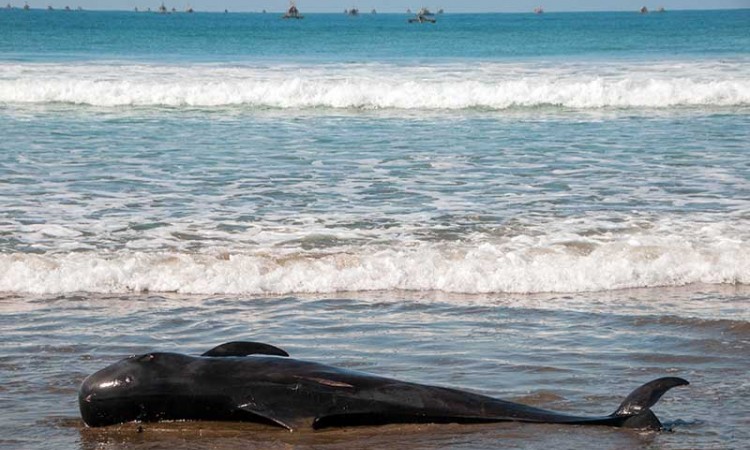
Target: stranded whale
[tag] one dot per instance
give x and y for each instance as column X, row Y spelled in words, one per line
column 248, row 381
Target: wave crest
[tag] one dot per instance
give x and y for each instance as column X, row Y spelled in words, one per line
column 365, row 88
column 485, row 268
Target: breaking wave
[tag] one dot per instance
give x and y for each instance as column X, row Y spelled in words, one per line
column 457, row 268
column 366, row 87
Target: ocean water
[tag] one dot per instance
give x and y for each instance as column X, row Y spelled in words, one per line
column 551, row 209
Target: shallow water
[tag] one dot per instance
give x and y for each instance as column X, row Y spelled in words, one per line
column 582, row 354
column 206, row 202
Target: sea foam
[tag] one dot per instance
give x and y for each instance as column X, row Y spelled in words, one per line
column 492, row 87
column 457, row 268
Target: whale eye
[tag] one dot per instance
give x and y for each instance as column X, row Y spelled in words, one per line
column 128, row 379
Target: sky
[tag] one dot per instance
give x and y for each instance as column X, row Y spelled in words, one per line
column 391, row 5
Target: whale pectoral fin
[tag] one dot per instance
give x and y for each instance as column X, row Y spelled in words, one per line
column 244, row 349
column 288, row 421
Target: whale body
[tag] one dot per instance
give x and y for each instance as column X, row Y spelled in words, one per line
column 255, row 382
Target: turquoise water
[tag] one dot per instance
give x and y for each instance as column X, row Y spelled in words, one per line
column 337, row 38
column 551, row 209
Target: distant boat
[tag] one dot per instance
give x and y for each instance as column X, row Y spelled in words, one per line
column 538, row 10
column 26, row 7
column 423, row 16
column 660, row 9
column 292, row 12
column 162, row 9
column 373, row 11
column 50, row 8
column 440, row 11
column 189, row 9
column 8, row 6
column 352, row 12
column 644, row 10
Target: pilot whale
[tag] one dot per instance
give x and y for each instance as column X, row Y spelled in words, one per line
column 250, row 381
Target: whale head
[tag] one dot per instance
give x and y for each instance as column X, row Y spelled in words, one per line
column 138, row 388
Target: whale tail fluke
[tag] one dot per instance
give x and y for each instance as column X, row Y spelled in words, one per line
column 635, row 409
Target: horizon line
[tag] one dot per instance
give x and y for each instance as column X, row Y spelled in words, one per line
column 365, row 13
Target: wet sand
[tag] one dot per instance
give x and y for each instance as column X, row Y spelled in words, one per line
column 580, row 353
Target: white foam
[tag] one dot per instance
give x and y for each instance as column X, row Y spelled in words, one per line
column 523, row 264
column 489, row 86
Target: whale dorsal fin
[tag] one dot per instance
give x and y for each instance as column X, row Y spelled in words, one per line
column 244, row 349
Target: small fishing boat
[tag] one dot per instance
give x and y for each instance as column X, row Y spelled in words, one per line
column 423, row 16
column 351, row 12
column 644, row 10
column 538, row 10
column 292, row 12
